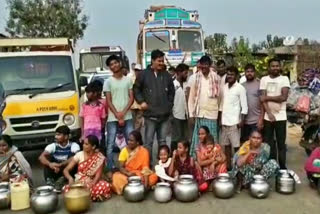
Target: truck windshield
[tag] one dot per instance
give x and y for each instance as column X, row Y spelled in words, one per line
column 34, row 74
column 157, row 40
column 190, row 40
column 91, row 61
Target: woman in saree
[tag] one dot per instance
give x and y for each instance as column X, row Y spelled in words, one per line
column 210, row 156
column 134, row 161
column 251, row 159
column 90, row 167
column 13, row 165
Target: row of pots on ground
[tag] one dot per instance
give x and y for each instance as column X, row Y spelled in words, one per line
column 77, row 200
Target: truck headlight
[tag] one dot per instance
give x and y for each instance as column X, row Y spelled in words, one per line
column 68, row 119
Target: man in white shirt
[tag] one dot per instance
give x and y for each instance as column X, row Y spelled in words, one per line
column 233, row 109
column 203, row 103
column 189, row 83
column 274, row 89
column 179, row 110
column 191, row 79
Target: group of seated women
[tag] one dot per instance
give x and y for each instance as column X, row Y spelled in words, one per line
column 251, row 159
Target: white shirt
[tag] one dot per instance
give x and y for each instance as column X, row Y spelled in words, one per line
column 191, row 80
column 222, row 83
column 273, row 87
column 223, row 80
column 233, row 104
column 208, row 107
column 243, row 79
column 179, row 109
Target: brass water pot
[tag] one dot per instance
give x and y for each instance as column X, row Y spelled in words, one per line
column 77, row 199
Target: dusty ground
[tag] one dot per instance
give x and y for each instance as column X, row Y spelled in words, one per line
column 304, row 201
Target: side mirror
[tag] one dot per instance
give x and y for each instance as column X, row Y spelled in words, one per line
column 83, row 81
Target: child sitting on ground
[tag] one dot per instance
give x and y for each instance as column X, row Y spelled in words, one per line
column 183, row 164
column 162, row 169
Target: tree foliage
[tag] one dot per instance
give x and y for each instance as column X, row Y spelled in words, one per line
column 242, row 52
column 216, row 44
column 269, row 43
column 46, row 18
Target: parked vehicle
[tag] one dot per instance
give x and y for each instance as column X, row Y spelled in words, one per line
column 92, row 63
column 41, row 88
column 102, row 77
column 173, row 30
column 93, row 60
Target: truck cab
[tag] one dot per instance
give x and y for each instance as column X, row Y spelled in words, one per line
column 41, row 89
column 93, row 64
column 175, row 31
column 93, row 60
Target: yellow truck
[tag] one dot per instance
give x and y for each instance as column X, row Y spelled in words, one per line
column 41, row 88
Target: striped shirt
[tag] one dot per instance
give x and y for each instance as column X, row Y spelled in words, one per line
column 59, row 153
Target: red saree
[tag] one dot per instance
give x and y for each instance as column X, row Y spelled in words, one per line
column 207, row 171
column 87, row 170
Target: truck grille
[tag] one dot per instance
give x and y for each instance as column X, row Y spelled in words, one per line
column 24, row 124
column 14, row 121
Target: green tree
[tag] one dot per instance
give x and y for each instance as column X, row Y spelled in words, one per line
column 273, row 42
column 306, row 41
column 242, row 52
column 46, row 19
column 216, row 44
column 269, row 43
column 314, row 42
column 256, row 47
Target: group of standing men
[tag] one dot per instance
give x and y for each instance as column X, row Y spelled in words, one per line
column 211, row 96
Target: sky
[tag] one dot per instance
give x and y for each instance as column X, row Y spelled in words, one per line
column 116, row 22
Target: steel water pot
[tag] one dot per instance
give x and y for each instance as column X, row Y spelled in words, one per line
column 163, row 192
column 285, row 183
column 4, row 195
column 44, row 200
column 134, row 191
column 223, row 186
column 259, row 187
column 186, row 189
